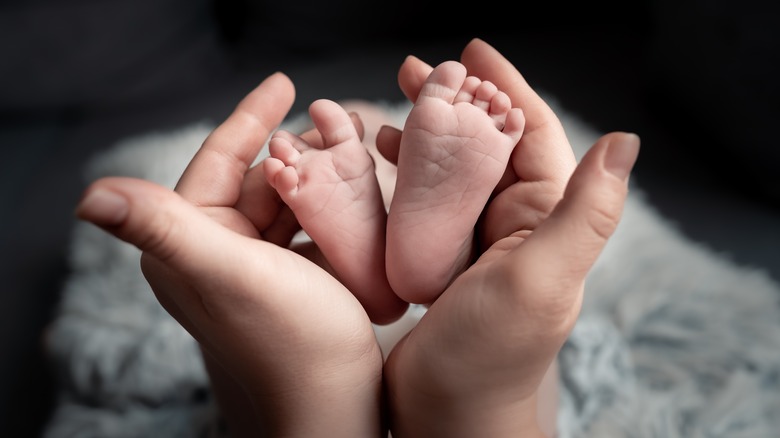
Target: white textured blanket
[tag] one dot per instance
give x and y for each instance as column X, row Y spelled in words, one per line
column 673, row 340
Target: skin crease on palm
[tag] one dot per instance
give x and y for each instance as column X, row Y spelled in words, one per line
column 297, row 353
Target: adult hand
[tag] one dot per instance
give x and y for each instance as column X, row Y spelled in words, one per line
column 474, row 362
column 280, row 335
column 541, row 163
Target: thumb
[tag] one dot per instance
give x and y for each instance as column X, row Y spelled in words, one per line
column 565, row 246
column 195, row 248
column 187, row 240
column 194, row 260
column 161, row 224
column 155, row 219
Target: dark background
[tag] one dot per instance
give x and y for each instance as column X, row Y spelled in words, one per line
column 697, row 80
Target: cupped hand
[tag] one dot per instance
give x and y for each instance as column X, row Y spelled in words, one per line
column 215, row 252
column 478, row 355
column 541, row 163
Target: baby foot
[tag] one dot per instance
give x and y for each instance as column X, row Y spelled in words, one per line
column 335, row 196
column 455, row 147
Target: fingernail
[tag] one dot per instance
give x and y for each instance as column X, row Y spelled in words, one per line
column 103, row 207
column 621, row 154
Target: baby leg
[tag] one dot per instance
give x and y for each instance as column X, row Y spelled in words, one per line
column 455, row 147
column 334, row 194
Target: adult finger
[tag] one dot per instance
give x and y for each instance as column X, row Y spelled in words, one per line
column 156, row 220
column 484, row 61
column 564, row 247
column 411, row 76
column 388, row 143
column 544, row 153
column 215, row 174
column 182, row 237
column 259, row 202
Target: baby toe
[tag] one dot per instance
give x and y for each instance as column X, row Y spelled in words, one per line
column 283, row 150
column 484, row 95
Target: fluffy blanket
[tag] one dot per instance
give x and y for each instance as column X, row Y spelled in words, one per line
column 674, row 340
